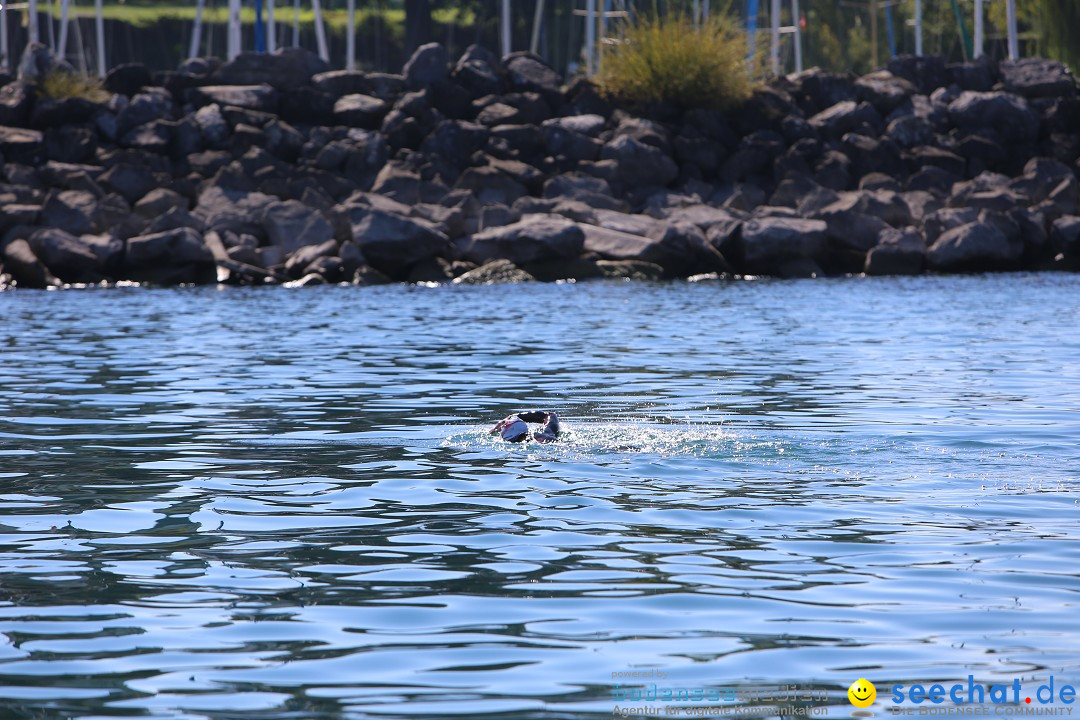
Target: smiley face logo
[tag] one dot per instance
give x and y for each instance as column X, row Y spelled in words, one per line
column 862, row 693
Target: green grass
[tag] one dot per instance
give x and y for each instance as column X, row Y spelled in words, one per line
column 59, row 84
column 141, row 15
column 669, row 60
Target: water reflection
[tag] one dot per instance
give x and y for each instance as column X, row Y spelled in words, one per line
column 265, row 503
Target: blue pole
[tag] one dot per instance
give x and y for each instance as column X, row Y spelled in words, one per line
column 751, row 26
column 260, row 29
column 892, row 33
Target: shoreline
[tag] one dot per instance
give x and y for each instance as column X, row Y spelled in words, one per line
column 274, row 169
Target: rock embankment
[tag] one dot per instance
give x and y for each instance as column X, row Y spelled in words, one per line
column 274, row 168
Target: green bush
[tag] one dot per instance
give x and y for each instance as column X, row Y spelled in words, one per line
column 59, row 84
column 669, row 60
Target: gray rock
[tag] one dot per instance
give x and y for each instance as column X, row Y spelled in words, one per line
column 19, row 145
column 299, row 261
column 1065, row 235
column 939, row 222
column 292, row 225
column 497, row 216
column 527, row 72
column 532, row 239
column 1006, row 115
column 361, row 111
column 637, row 270
column 25, row 267
column 222, row 209
column 974, row 247
column 588, row 125
column 212, row 125
column 107, row 248
column 253, row 97
column 428, row 65
column 850, row 229
column 883, row 90
column 392, row 243
column 898, row 252
column 342, row 82
column 16, row 99
column 129, row 181
column 496, row 272
column 153, row 137
column 160, row 201
column 1041, row 177
column 576, row 147
column 145, row 107
column 491, row 186
column 640, row 164
column 80, row 212
column 844, row 117
column 1037, row 78
column 173, row 257
column 766, row 243
column 288, row 68
column 66, row 256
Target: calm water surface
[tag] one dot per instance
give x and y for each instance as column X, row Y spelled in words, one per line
column 273, row 503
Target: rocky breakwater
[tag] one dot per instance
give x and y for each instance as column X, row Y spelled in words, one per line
column 274, row 168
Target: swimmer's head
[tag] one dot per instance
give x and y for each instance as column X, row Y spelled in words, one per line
column 514, row 430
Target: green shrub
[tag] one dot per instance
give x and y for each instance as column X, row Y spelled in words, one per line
column 669, row 60
column 59, row 84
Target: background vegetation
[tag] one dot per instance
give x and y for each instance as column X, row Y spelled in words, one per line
column 836, row 35
column 678, row 62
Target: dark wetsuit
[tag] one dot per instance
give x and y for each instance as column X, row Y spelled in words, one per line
column 513, row 428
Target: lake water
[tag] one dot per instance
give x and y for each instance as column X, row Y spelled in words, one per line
column 274, row 503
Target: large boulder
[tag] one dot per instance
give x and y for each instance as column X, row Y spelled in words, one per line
column 79, row 212
column 681, row 250
column 428, row 65
column 975, row 247
column 766, row 245
column 640, row 164
column 292, row 225
column 1037, row 78
column 160, row 201
column 363, row 111
column 170, row 257
column 223, row 209
column 898, row 252
column 527, row 72
column 66, row 256
column 1002, row 114
column 286, row 69
column 883, row 90
column 129, row 181
column 479, row 71
column 534, row 238
column 392, row 243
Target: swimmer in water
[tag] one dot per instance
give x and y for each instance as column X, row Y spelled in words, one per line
column 514, row 428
